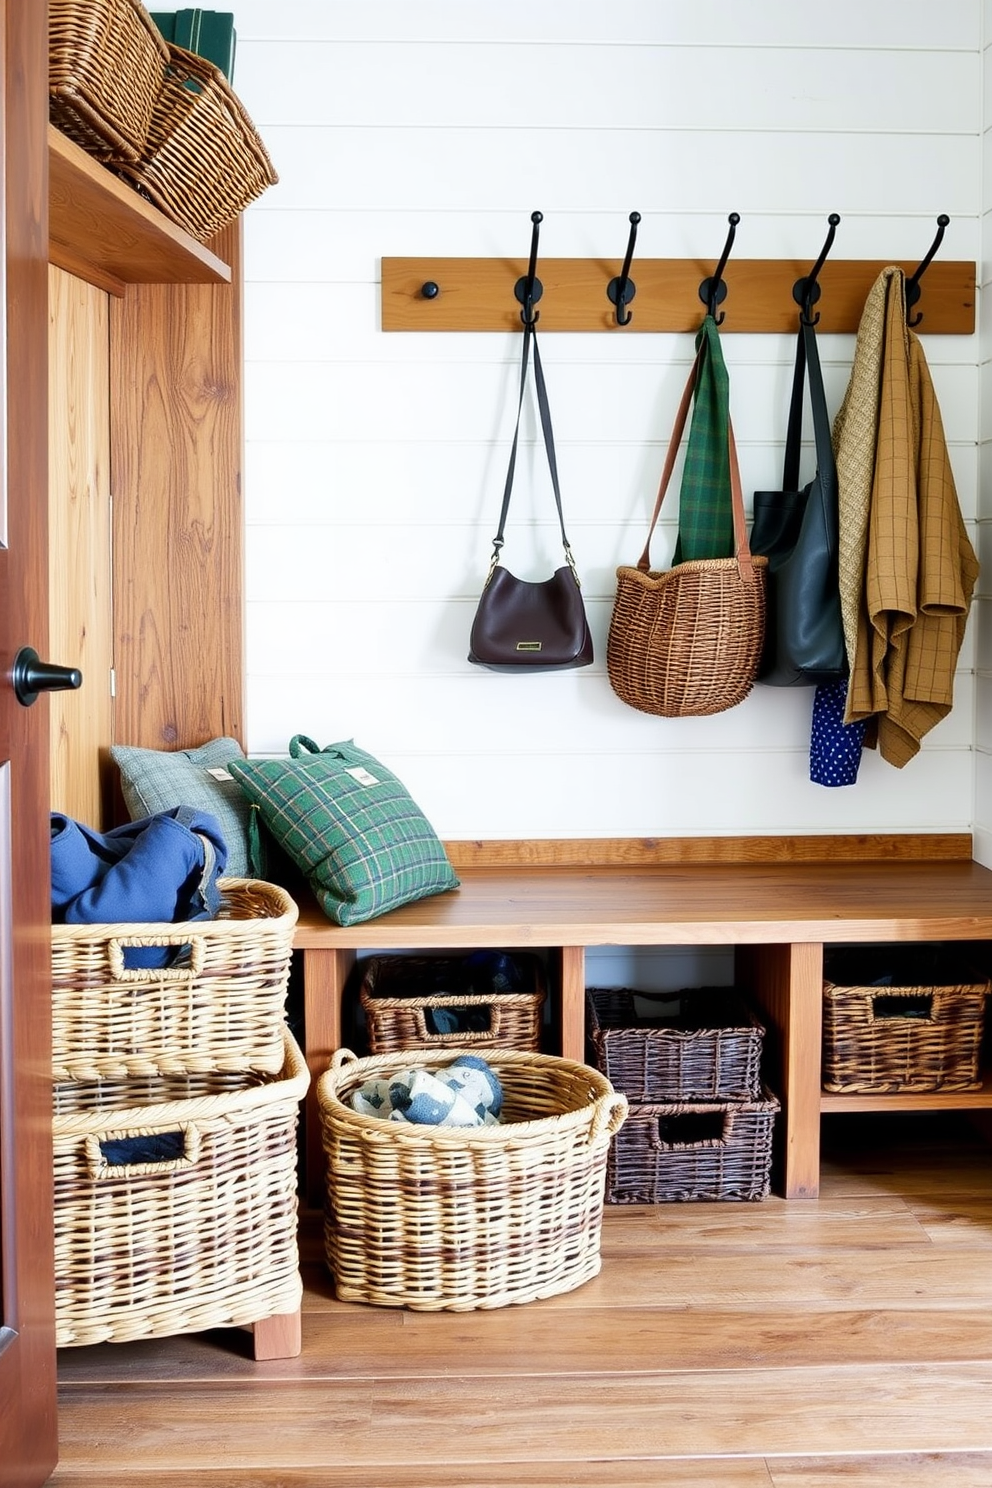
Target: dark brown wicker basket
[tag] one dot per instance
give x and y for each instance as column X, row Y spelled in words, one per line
column 105, row 63
column 889, row 1039
column 204, row 161
column 707, row 1047
column 692, row 1150
column 402, row 995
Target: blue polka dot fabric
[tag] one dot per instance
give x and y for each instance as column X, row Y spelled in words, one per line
column 834, row 746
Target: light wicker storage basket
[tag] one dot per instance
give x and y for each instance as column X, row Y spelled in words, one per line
column 203, row 161
column 440, row 1218
column 401, row 997
column 694, row 1150
column 150, row 1243
column 702, row 1043
column 889, row 1038
column 221, row 1007
column 105, row 63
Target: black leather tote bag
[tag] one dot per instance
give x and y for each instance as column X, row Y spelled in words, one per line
column 797, row 530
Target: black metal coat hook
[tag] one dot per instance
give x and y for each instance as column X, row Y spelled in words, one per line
column 622, row 290
column 530, row 289
column 806, row 291
column 713, row 291
column 913, row 283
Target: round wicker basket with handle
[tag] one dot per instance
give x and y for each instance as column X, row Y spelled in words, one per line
column 447, row 1218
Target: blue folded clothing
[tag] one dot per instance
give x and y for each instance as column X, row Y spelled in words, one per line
column 161, row 869
column 464, row 1093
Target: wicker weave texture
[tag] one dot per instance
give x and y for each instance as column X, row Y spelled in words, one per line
column 683, row 1150
column 205, row 1240
column 221, row 1008
column 871, row 1044
column 709, row 1049
column 436, row 1218
column 686, row 642
column 204, row 161
column 398, row 1021
column 105, row 61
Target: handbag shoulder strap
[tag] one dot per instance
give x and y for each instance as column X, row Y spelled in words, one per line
column 530, row 334
column 808, row 360
column 741, row 545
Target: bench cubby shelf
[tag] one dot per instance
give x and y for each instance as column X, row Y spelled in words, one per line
column 776, row 901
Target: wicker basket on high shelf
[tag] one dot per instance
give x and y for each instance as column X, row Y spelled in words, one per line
column 441, row 1218
column 176, row 1202
column 203, row 160
column 105, row 63
column 220, row 1006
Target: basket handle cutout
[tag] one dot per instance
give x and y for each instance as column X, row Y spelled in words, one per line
column 193, row 953
column 134, row 1153
column 918, row 1006
column 477, row 1023
column 691, row 1129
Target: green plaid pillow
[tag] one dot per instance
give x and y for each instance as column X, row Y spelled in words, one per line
column 155, row 780
column 350, row 827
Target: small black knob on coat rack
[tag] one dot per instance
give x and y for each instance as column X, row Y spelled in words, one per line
column 623, row 289
column 806, row 291
column 529, row 289
column 430, row 290
column 713, row 291
column 913, row 282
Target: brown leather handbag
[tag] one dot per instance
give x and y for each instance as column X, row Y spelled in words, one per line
column 521, row 626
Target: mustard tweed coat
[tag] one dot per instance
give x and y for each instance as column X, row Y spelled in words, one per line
column 907, row 568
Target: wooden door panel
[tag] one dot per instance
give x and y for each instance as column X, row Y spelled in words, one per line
column 27, row 1329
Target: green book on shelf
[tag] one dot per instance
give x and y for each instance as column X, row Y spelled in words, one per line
column 207, row 33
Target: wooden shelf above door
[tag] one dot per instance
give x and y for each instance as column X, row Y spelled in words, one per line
column 476, row 294
column 102, row 231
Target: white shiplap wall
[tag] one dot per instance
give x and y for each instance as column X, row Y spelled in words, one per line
column 375, row 462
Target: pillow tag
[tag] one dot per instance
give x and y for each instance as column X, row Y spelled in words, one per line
column 220, row 773
column 363, row 776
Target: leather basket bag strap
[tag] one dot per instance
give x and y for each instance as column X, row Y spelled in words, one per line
column 741, row 544
column 530, row 334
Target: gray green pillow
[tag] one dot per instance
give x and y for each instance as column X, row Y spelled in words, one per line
column 349, row 825
column 155, row 780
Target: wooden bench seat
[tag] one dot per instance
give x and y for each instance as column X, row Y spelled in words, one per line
column 776, row 901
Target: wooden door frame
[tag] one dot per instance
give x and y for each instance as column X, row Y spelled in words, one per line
column 28, row 1437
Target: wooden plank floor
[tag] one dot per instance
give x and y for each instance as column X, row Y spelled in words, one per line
column 842, row 1342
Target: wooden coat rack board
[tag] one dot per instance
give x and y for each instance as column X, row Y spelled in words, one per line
column 476, row 294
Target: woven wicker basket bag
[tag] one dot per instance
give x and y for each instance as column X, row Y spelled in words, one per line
column 688, row 641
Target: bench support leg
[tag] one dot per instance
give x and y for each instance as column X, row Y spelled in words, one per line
column 786, row 982
column 572, row 1013
column 324, row 975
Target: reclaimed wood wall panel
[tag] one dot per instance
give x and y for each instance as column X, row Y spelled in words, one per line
column 176, row 449
column 79, row 540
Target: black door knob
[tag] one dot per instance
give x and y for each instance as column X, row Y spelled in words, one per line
column 31, row 676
